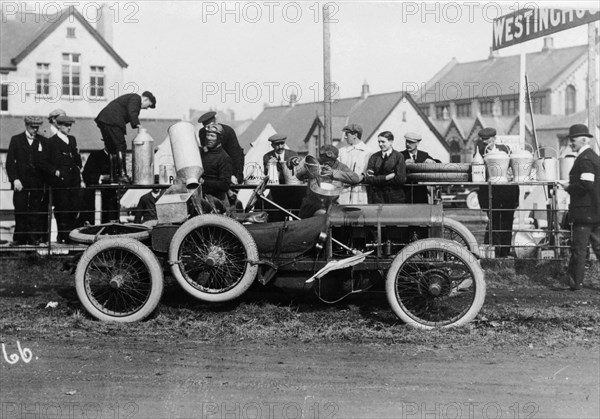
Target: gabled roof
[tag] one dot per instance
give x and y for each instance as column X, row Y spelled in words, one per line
column 463, row 126
column 496, row 76
column 297, row 122
column 84, row 130
column 23, row 34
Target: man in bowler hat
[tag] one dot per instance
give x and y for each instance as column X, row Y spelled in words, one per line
column 584, row 209
column 505, row 199
column 113, row 120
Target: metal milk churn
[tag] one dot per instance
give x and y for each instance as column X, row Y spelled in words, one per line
column 186, row 153
column 496, row 162
column 521, row 163
column 143, row 158
column 272, row 172
column 477, row 167
column 566, row 163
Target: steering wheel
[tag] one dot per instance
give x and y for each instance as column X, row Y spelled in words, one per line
column 260, row 188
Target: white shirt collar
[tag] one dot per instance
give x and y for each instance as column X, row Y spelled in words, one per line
column 583, row 148
column 29, row 136
column 53, row 129
column 386, row 153
column 63, row 137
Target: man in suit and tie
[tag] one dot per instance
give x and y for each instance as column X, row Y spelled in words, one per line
column 386, row 173
column 280, row 155
column 584, row 209
column 415, row 194
column 24, row 162
column 112, row 121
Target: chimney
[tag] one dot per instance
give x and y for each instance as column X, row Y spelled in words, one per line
column 365, row 92
column 548, row 44
column 104, row 25
column 293, row 99
column 493, row 54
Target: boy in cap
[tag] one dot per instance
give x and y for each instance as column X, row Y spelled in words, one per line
column 280, row 155
column 113, row 120
column 505, row 199
column 356, row 156
column 52, row 121
column 584, row 208
column 24, row 162
column 415, row 194
column 229, row 142
column 332, row 171
column 64, row 165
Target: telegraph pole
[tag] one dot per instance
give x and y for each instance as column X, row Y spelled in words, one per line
column 327, row 86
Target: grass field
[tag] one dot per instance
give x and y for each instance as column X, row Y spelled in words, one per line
column 526, row 304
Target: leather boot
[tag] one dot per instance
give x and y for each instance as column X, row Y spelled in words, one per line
column 122, row 169
column 112, row 161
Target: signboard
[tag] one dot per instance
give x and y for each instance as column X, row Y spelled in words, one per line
column 527, row 24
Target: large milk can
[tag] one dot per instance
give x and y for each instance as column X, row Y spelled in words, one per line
column 143, row 158
column 547, row 167
column 186, row 154
column 496, row 163
column 521, row 163
column 566, row 164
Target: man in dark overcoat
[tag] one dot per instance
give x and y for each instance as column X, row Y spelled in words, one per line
column 113, row 120
column 584, row 209
column 64, row 164
column 24, row 162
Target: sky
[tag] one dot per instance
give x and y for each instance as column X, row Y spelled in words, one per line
column 243, row 55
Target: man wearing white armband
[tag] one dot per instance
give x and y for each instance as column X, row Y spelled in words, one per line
column 584, row 209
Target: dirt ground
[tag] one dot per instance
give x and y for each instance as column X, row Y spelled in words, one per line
column 533, row 352
column 125, row 378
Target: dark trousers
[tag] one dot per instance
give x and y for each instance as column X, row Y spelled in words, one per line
column 110, row 206
column 582, row 235
column 502, row 222
column 66, row 204
column 114, row 138
column 28, row 214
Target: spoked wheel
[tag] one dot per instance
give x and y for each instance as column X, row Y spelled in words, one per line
column 435, row 283
column 92, row 233
column 214, row 258
column 456, row 231
column 119, row 280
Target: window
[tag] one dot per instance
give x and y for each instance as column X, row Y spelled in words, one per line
column 570, row 100
column 70, row 32
column 455, row 150
column 509, row 106
column 42, row 79
column 425, row 110
column 486, row 108
column 4, row 97
column 71, row 70
column 439, row 111
column 463, row 109
column 538, row 104
column 96, row 81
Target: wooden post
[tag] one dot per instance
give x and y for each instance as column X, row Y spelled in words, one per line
column 591, row 105
column 327, row 86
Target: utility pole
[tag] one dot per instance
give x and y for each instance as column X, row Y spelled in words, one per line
column 327, row 86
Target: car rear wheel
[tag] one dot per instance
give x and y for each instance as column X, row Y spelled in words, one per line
column 435, row 283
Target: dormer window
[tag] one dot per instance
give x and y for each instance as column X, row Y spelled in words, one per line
column 70, row 32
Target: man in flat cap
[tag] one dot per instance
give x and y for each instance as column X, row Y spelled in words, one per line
column 332, row 171
column 24, row 162
column 355, row 156
column 415, row 194
column 113, row 120
column 584, row 208
column 505, row 199
column 52, row 121
column 279, row 155
column 229, row 142
column 64, row 165
column 217, row 165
